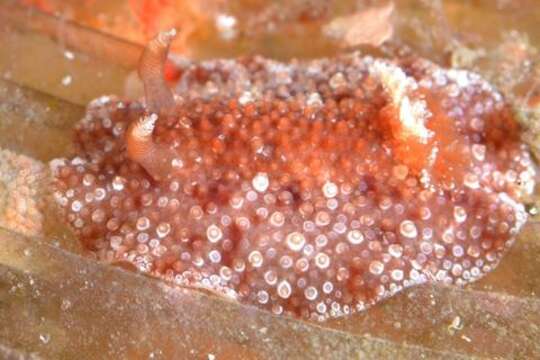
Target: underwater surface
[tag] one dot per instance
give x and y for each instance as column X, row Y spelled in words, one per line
column 57, row 301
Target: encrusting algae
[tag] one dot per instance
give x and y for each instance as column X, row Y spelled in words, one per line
column 23, row 182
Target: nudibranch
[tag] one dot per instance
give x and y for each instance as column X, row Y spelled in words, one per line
column 310, row 188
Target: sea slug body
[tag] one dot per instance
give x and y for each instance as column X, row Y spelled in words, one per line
column 310, row 188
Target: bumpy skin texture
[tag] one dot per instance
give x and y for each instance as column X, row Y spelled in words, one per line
column 311, row 188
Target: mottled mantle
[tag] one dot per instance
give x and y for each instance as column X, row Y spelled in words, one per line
column 311, row 188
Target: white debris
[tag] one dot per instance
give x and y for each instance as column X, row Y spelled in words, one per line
column 226, row 25
column 66, row 80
